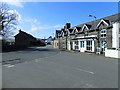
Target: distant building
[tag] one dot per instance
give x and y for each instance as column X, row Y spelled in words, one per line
column 25, row 39
column 49, row 41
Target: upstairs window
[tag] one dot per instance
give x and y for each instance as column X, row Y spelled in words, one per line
column 103, row 33
column 86, row 33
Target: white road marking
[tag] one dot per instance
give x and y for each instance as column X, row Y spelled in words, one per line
column 7, row 65
column 10, row 66
column 85, row 71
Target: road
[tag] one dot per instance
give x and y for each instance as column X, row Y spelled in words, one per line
column 50, row 68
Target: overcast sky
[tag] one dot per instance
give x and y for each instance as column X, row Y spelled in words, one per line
column 41, row 19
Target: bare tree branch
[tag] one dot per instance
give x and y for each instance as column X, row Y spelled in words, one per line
column 8, row 20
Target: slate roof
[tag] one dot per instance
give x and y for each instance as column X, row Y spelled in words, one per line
column 92, row 25
column 78, row 28
column 29, row 35
column 70, row 30
column 58, row 32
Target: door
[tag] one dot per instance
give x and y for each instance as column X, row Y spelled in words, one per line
column 103, row 45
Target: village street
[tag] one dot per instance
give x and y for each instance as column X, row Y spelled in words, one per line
column 49, row 68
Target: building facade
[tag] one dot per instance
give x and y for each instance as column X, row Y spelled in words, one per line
column 56, row 44
column 91, row 36
column 25, row 39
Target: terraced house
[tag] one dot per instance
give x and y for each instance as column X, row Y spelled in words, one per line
column 98, row 35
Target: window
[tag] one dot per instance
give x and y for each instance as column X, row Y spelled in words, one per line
column 81, row 44
column 86, row 33
column 103, row 33
column 76, row 42
column 76, row 45
column 89, row 45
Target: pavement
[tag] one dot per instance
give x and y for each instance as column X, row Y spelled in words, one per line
column 50, row 68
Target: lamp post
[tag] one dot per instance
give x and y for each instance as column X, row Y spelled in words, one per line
column 92, row 16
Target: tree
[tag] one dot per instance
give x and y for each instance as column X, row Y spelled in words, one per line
column 9, row 20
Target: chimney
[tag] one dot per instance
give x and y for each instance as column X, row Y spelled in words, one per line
column 64, row 27
column 67, row 26
column 19, row 30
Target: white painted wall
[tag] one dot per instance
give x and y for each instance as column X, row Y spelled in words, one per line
column 68, row 45
column 115, row 35
column 112, row 53
column 73, row 45
column 93, row 46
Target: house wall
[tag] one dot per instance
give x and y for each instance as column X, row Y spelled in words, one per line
column 24, row 40
column 115, row 35
column 56, row 44
column 109, row 38
column 21, row 40
column 72, row 41
column 60, row 42
column 68, row 43
column 112, row 53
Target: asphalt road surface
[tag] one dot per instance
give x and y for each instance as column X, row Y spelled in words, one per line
column 50, row 68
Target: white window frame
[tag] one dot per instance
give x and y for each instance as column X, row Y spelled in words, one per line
column 103, row 33
column 89, row 45
column 76, row 44
column 82, row 44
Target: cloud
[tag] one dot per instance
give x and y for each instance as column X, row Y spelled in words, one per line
column 35, row 25
column 16, row 13
column 36, row 28
column 17, row 3
column 32, row 21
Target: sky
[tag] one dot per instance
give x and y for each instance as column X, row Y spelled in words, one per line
column 42, row 19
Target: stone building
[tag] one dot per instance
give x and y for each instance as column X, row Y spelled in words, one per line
column 89, row 37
